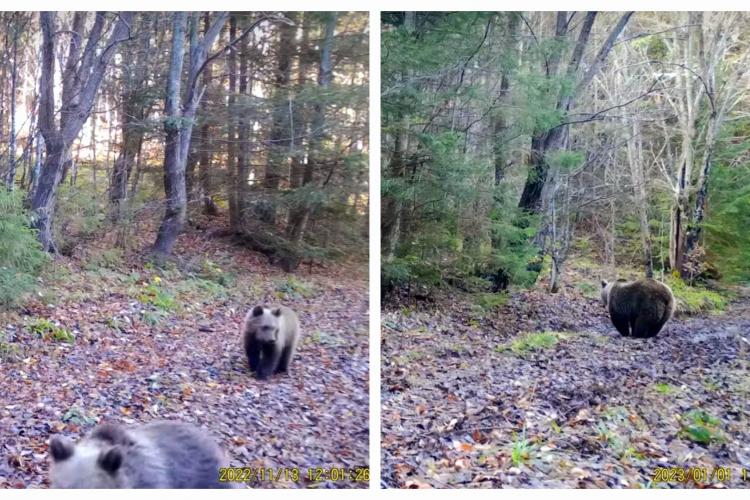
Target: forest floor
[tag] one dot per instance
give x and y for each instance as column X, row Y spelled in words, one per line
column 110, row 337
column 542, row 391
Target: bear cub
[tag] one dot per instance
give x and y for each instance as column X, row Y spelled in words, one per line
column 638, row 308
column 270, row 337
column 156, row 455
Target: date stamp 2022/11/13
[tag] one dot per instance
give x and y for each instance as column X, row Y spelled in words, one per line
column 294, row 474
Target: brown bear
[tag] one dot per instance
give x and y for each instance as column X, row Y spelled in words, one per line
column 638, row 308
column 161, row 454
column 270, row 337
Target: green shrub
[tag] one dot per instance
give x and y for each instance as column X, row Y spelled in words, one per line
column 211, row 271
column 9, row 351
column 529, row 342
column 293, row 288
column 665, row 388
column 110, row 258
column 21, row 255
column 695, row 299
column 521, row 450
column 701, row 427
column 155, row 295
column 490, row 301
column 202, row 287
column 588, row 290
column 80, row 213
column 47, row 330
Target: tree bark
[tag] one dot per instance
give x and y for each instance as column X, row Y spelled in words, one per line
column 11, row 176
column 81, row 79
column 178, row 125
column 133, row 113
column 548, row 141
column 234, row 182
column 174, row 169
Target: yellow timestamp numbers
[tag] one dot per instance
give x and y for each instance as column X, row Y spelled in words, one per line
column 695, row 474
column 293, row 474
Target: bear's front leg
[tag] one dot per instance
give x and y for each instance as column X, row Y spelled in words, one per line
column 252, row 349
column 269, row 361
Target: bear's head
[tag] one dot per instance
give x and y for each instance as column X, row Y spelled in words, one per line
column 91, row 464
column 265, row 323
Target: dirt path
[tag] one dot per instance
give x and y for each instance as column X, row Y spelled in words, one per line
column 461, row 408
column 133, row 362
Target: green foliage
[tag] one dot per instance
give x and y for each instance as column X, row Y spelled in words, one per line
column 79, row 214
column 293, row 288
column 727, row 239
column 665, row 388
column 521, row 450
column 405, row 271
column 109, row 258
column 156, row 295
column 589, row 289
column 21, row 256
column 152, row 318
column 527, row 343
column 695, row 299
column 76, row 415
column 458, row 223
column 490, row 301
column 566, row 160
column 47, row 330
column 701, row 427
column 210, row 271
column 205, row 289
column 9, row 351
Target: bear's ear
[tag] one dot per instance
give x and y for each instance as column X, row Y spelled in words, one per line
column 257, row 311
column 61, row 448
column 277, row 312
column 604, row 284
column 110, row 460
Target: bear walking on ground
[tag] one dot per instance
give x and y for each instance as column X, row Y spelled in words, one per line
column 270, row 337
column 638, row 308
column 155, row 455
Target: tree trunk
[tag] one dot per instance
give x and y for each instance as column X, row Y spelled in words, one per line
column 204, row 161
column 178, row 124
column 82, row 77
column 133, row 113
column 638, row 177
column 243, row 138
column 174, row 169
column 545, row 142
column 10, row 179
column 234, row 180
column 45, row 194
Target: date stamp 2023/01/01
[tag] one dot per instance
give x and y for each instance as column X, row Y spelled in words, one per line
column 699, row 475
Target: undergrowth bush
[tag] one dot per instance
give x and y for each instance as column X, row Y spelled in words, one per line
column 21, row 255
column 695, row 299
column 80, row 213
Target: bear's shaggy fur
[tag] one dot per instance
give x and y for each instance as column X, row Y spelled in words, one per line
column 156, row 455
column 638, row 308
column 270, row 337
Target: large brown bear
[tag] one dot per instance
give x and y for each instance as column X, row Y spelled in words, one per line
column 270, row 337
column 638, row 308
column 155, row 455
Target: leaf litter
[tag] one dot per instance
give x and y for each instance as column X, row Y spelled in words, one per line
column 468, row 401
column 155, row 343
